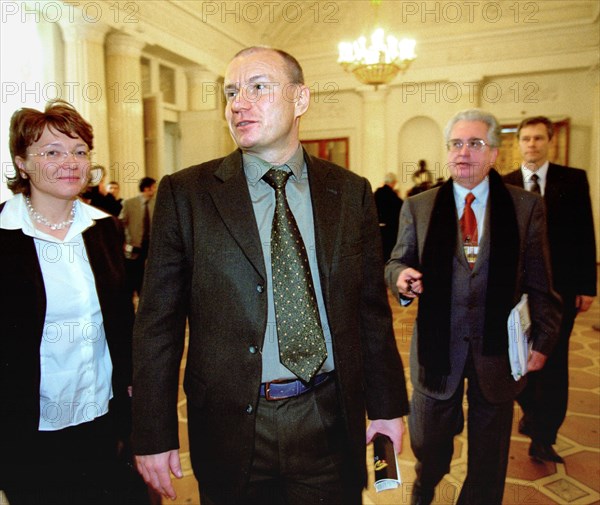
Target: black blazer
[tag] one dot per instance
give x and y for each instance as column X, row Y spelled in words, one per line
column 22, row 314
column 570, row 229
column 208, row 268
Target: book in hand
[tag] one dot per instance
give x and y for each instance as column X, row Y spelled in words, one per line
column 387, row 473
column 519, row 341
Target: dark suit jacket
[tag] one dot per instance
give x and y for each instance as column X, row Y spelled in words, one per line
column 570, row 229
column 22, row 314
column 388, row 209
column 208, row 267
column 469, row 293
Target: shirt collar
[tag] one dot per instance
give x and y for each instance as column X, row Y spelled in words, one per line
column 15, row 216
column 541, row 172
column 481, row 192
column 255, row 168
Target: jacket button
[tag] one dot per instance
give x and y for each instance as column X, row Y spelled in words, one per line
column 253, row 349
column 249, row 409
column 260, row 288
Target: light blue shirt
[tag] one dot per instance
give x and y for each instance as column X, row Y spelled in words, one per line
column 481, row 193
column 297, row 192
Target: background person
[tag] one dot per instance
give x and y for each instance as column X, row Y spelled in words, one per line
column 114, row 188
column 136, row 217
column 259, row 434
column 388, row 209
column 96, row 193
column 65, row 319
column 468, row 274
column 572, row 242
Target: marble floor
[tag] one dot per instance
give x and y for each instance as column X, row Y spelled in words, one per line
column 576, row 482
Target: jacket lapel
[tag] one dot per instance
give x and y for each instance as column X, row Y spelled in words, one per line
column 326, row 193
column 553, row 184
column 484, row 243
column 232, row 200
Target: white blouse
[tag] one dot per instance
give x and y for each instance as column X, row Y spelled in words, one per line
column 76, row 367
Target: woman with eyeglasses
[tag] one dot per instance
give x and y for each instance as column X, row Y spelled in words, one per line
column 65, row 319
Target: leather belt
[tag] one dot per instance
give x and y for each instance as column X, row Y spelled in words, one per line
column 280, row 390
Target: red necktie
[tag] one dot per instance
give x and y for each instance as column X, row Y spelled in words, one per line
column 468, row 228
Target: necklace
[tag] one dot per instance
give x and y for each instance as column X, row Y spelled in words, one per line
column 38, row 218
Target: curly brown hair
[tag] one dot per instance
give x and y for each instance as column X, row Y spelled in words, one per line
column 27, row 126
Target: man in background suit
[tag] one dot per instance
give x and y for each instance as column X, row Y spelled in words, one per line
column 388, row 209
column 461, row 327
column 573, row 257
column 136, row 217
column 258, row 433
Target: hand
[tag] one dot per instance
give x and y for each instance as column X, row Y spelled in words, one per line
column 393, row 428
column 583, row 302
column 154, row 468
column 409, row 283
column 536, row 361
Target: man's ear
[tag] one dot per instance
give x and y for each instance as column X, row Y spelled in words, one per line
column 302, row 100
column 493, row 155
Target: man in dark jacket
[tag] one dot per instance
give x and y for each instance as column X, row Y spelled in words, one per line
column 573, row 256
column 388, row 209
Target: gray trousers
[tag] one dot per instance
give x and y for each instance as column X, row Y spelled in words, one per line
column 433, row 424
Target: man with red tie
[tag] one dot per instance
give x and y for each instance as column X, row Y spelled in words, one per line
column 469, row 249
column 572, row 243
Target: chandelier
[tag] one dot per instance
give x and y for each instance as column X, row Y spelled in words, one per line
column 381, row 61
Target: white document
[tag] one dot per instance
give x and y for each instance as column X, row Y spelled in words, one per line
column 519, row 333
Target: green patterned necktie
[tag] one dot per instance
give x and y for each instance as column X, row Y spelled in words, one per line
column 301, row 343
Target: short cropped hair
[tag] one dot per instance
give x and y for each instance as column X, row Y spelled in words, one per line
column 493, row 135
column 146, row 182
column 293, row 68
column 27, row 126
column 537, row 120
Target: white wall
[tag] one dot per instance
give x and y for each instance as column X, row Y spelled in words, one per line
column 416, row 113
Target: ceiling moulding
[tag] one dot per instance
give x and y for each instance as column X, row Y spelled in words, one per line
column 243, row 23
column 565, row 47
column 434, row 20
column 580, row 34
column 162, row 23
column 322, row 80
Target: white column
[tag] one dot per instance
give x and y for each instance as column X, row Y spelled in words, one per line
column 125, row 111
column 204, row 90
column 204, row 118
column 374, row 152
column 85, row 79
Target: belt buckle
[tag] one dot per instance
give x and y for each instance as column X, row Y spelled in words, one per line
column 268, row 390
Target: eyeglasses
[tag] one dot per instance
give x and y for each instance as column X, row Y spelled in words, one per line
column 476, row 145
column 59, row 156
